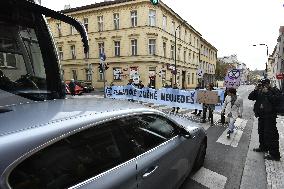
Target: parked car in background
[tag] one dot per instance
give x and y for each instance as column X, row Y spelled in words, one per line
column 87, row 87
column 106, row 144
column 78, row 90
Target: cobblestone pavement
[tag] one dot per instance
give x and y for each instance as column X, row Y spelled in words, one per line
column 275, row 169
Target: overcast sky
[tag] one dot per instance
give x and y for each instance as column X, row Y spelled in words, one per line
column 232, row 26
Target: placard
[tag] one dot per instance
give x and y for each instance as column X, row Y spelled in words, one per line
column 207, row 97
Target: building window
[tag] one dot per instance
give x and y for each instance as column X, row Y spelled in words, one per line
column 60, row 53
column 87, row 55
column 116, row 21
column 189, row 55
column 192, row 77
column 193, row 58
column 188, row 78
column 73, row 52
column 172, row 52
column 164, row 23
column 117, row 72
column 133, row 18
column 164, row 49
column 184, row 56
column 72, row 30
column 134, row 47
column 101, row 76
column 152, row 46
column 74, row 74
column 86, row 23
column 101, row 48
column 152, row 18
column 190, row 40
column 117, row 48
column 178, row 54
column 197, row 43
column 100, row 23
column 173, row 27
column 185, row 35
column 58, row 25
column 88, row 75
column 178, row 32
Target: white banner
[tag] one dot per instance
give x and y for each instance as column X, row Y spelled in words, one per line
column 165, row 96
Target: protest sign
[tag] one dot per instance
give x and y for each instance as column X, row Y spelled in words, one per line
column 233, row 79
column 207, row 97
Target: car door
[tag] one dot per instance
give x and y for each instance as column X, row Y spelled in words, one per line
column 98, row 157
column 161, row 162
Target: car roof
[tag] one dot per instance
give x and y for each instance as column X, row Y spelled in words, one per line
column 36, row 114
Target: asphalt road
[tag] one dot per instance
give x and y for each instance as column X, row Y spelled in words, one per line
column 225, row 162
column 225, row 159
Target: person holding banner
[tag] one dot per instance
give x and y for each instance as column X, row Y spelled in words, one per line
column 195, row 111
column 210, row 107
column 175, row 108
column 232, row 108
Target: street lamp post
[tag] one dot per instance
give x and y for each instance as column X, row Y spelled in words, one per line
column 262, row 44
column 175, row 72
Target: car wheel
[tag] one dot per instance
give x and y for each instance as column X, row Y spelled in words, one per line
column 200, row 157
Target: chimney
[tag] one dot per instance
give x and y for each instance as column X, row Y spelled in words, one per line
column 67, row 7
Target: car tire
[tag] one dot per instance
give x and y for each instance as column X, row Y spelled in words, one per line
column 200, row 157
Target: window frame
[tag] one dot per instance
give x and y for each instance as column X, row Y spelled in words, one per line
column 152, row 17
column 152, row 47
column 133, row 18
column 86, row 23
column 134, row 47
column 116, row 21
column 73, row 52
column 117, row 48
column 100, row 23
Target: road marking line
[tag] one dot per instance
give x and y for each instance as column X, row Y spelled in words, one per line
column 233, row 141
column 209, row 179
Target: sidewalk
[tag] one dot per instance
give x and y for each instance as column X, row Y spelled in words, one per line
column 260, row 173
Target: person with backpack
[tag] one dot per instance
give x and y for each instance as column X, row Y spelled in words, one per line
column 232, row 108
column 266, row 100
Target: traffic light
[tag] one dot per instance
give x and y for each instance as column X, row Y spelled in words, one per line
column 101, row 69
column 155, row 2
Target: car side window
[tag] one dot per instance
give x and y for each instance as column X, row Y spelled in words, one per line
column 148, row 131
column 74, row 159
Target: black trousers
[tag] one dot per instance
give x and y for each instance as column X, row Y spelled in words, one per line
column 198, row 111
column 268, row 135
column 210, row 114
column 174, row 109
column 223, row 118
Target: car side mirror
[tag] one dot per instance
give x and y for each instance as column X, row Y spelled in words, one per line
column 183, row 132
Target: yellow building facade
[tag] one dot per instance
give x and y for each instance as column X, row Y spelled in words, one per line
column 138, row 40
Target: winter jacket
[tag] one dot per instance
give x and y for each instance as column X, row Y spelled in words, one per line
column 264, row 102
column 235, row 109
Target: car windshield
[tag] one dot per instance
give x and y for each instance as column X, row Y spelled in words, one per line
column 22, row 71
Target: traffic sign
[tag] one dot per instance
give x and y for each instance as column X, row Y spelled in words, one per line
column 103, row 56
column 280, row 76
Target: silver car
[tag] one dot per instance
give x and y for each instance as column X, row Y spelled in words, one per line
column 96, row 143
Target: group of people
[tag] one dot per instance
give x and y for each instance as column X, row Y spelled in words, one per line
column 232, row 108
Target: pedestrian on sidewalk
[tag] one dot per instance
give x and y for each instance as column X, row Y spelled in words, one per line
column 265, row 98
column 199, row 111
column 72, row 87
column 175, row 108
column 232, row 108
column 210, row 107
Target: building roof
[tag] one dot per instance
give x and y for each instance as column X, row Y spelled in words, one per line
column 96, row 5
column 209, row 44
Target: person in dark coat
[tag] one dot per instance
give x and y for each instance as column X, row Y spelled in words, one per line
column 265, row 98
column 195, row 111
column 72, row 87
